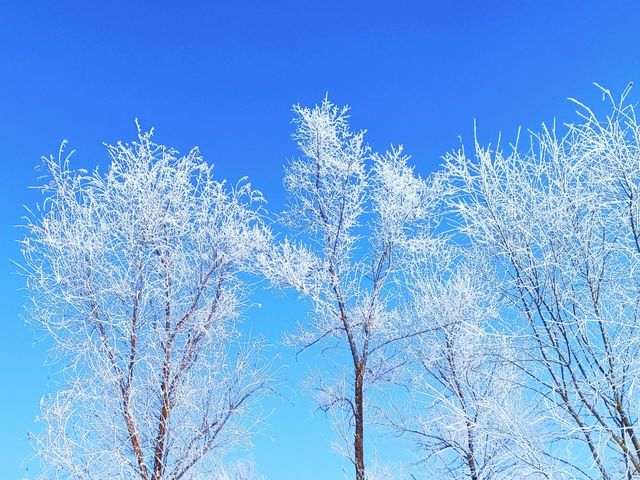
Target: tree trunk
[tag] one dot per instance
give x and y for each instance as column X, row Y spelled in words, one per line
column 359, row 414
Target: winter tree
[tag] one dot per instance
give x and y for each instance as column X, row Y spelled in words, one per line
column 355, row 215
column 467, row 410
column 137, row 276
column 561, row 224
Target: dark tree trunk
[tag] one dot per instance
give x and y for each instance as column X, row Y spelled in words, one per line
column 359, row 414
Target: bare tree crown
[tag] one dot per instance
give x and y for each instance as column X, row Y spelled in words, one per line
column 135, row 275
column 358, row 215
column 560, row 223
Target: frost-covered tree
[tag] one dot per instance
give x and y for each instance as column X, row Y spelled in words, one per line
column 136, row 276
column 355, row 215
column 561, row 223
column 468, row 411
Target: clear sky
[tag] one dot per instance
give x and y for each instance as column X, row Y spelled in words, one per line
column 223, row 76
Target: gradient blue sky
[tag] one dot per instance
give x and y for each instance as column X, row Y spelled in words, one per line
column 223, row 76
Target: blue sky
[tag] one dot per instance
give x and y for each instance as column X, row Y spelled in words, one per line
column 223, row 76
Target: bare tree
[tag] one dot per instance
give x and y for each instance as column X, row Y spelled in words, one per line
column 135, row 276
column 467, row 410
column 561, row 222
column 358, row 213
